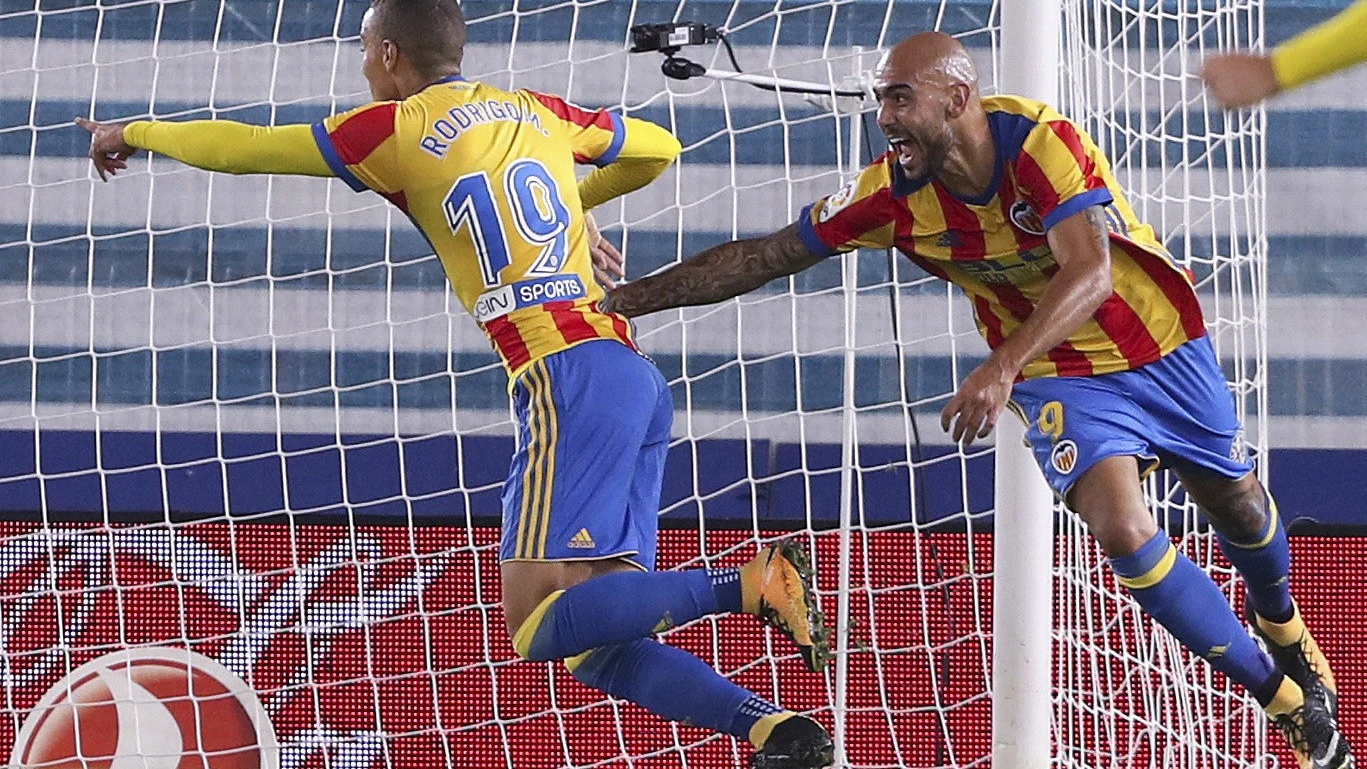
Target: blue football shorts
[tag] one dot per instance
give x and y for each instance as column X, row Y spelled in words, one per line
column 593, row 430
column 1177, row 412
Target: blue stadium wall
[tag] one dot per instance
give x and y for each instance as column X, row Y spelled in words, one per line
column 1317, row 192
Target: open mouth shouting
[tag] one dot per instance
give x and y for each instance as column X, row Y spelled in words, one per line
column 909, row 153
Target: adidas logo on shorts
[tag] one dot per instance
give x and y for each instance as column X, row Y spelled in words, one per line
column 582, row 540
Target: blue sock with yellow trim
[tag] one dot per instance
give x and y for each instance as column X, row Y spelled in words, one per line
column 1265, row 563
column 622, row 606
column 1176, row 593
column 653, row 675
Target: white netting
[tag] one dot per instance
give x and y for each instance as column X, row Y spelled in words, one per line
column 1128, row 693
column 282, row 441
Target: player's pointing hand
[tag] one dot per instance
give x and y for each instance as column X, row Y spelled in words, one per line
column 108, row 151
column 978, row 403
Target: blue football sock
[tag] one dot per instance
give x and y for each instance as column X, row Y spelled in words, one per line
column 1176, row 593
column 1265, row 563
column 623, row 606
column 672, row 684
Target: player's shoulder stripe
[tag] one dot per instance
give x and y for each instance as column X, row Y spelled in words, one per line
column 619, row 138
column 1012, row 119
column 360, row 133
column 573, row 113
column 334, row 161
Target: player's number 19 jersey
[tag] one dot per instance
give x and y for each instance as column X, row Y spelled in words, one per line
column 488, row 176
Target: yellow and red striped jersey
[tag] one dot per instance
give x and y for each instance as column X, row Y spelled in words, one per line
column 488, row 176
column 994, row 246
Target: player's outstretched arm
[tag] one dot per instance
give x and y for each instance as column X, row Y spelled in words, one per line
column 1244, row 79
column 213, row 145
column 720, row 272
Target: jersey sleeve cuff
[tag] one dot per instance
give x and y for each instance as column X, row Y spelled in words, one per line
column 619, row 137
column 807, row 232
column 334, row 161
column 134, row 134
column 1097, row 197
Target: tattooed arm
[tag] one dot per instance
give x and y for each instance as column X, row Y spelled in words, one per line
column 720, row 272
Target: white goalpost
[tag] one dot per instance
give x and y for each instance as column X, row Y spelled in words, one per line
column 251, row 448
column 1023, row 531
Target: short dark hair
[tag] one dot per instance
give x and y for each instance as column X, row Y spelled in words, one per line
column 431, row 33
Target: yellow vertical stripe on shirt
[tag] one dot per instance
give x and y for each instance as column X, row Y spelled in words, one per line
column 1056, row 159
column 547, row 491
column 1102, row 351
column 997, row 238
column 929, row 219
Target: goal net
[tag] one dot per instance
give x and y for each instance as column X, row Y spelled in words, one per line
column 1135, row 697
column 251, row 447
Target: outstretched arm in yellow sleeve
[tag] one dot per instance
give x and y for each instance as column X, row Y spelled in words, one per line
column 213, row 145
column 1244, row 79
column 646, row 152
column 1334, row 45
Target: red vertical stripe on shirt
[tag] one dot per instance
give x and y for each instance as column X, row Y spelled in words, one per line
column 986, row 316
column 358, row 136
column 964, row 226
column 1175, row 287
column 570, row 322
column 1070, row 361
column 509, row 342
column 1038, row 188
column 1124, row 326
